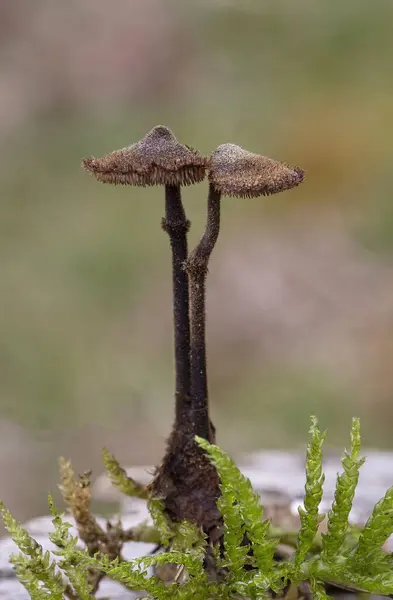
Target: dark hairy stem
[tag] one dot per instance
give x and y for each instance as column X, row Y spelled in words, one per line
column 176, row 226
column 197, row 269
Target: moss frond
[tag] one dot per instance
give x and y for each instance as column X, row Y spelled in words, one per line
column 34, row 567
column 318, row 590
column 243, row 514
column 73, row 559
column 134, row 575
column 76, row 493
column 346, row 485
column 377, row 530
column 142, row 533
column 309, row 515
column 161, row 522
column 120, row 479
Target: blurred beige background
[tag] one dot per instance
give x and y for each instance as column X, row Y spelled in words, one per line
column 300, row 300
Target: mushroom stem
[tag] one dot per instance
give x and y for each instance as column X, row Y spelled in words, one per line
column 197, row 269
column 176, row 225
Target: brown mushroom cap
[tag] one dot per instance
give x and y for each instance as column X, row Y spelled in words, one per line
column 158, row 159
column 234, row 171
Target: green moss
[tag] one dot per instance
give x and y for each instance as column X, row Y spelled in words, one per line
column 245, row 561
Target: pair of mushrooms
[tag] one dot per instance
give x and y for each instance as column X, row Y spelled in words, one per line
column 159, row 159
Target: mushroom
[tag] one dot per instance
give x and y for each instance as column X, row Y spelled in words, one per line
column 233, row 171
column 237, row 172
column 186, row 481
column 159, row 159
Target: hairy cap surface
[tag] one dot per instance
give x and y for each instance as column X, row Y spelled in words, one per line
column 234, row 171
column 158, row 159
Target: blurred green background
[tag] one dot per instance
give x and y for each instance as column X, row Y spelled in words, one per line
column 300, row 300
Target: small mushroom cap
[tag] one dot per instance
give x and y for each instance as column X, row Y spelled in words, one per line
column 234, row 171
column 158, row 159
